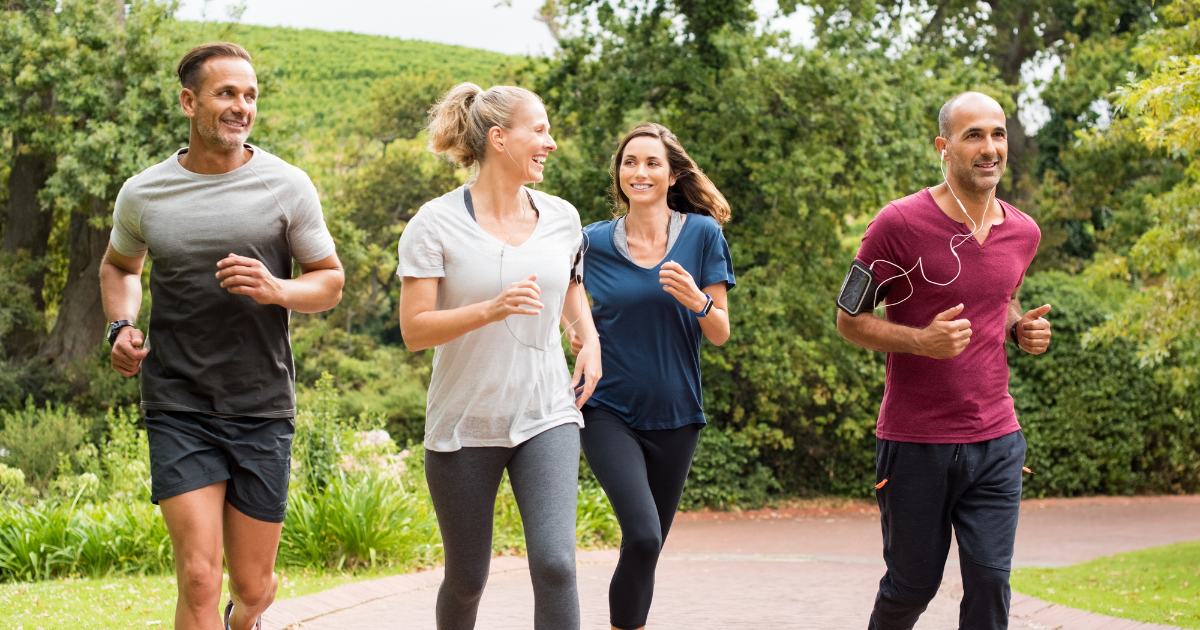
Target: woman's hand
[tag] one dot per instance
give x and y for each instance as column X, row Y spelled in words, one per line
column 520, row 298
column 576, row 341
column 679, row 283
column 587, row 366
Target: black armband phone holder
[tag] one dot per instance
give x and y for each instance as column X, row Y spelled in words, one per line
column 860, row 292
column 577, row 267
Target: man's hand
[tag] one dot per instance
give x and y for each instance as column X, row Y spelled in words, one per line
column 248, row 276
column 1033, row 331
column 127, row 351
column 946, row 337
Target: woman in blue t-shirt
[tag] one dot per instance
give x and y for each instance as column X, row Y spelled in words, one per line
column 658, row 274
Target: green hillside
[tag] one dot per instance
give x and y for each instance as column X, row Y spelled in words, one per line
column 324, row 78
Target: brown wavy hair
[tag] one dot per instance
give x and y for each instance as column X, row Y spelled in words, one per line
column 692, row 192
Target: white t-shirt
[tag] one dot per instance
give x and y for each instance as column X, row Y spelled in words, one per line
column 488, row 388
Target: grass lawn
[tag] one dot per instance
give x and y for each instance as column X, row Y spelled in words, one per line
column 131, row 602
column 1158, row 585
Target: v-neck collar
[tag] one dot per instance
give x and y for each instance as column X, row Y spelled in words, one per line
column 469, row 207
column 961, row 228
column 612, row 239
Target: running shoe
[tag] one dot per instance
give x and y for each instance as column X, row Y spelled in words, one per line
column 229, row 611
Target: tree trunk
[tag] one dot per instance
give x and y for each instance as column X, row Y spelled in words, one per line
column 27, row 228
column 80, row 323
column 1022, row 152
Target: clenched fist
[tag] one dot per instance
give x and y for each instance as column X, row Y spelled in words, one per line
column 945, row 337
column 1033, row 331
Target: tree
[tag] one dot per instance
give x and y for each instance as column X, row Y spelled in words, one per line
column 106, row 110
column 1164, row 263
column 1004, row 35
column 804, row 144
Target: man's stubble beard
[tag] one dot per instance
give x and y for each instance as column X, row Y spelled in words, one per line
column 214, row 138
column 976, row 183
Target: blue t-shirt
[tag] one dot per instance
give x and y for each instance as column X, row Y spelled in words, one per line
column 650, row 343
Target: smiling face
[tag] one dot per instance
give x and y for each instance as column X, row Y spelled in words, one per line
column 528, row 143
column 223, row 104
column 977, row 149
column 645, row 175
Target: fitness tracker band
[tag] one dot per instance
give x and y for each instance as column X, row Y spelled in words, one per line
column 707, row 306
column 115, row 328
column 1013, row 333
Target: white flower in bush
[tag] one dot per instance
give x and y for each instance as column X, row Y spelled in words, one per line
column 377, row 437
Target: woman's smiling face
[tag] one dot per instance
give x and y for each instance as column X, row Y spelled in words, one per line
column 529, row 143
column 645, row 174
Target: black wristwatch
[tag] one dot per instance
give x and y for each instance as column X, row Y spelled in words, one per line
column 1013, row 332
column 115, row 328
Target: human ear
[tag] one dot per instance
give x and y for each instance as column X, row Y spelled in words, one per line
column 187, row 102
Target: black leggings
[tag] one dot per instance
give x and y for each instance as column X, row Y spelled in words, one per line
column 643, row 473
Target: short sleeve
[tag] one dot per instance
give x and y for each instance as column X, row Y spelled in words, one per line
column 882, row 246
column 309, row 237
column 420, row 250
column 127, row 224
column 718, row 264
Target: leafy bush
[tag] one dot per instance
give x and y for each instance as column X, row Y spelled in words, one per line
column 33, row 438
column 1096, row 422
column 61, row 538
column 359, row 521
column 727, row 472
column 356, row 501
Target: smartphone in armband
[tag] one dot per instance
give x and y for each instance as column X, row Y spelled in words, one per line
column 859, row 291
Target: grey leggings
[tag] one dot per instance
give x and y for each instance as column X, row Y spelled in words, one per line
column 544, row 471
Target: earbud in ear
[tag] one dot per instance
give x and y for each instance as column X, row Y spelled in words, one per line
column 943, row 154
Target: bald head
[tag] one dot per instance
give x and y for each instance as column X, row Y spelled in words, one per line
column 974, row 102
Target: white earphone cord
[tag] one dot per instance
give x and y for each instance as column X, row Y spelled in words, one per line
column 582, row 301
column 953, row 246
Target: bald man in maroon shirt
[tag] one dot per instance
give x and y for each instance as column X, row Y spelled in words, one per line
column 950, row 452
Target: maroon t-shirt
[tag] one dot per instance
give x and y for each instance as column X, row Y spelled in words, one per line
column 964, row 399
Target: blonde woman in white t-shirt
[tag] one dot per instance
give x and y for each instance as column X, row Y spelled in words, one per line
column 486, row 279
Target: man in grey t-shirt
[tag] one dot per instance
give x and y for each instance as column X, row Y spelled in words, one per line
column 222, row 221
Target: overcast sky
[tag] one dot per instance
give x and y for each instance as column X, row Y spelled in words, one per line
column 475, row 23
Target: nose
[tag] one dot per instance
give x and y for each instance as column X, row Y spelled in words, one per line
column 550, row 144
column 991, row 146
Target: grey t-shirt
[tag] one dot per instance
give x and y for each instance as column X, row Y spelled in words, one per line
column 210, row 350
column 490, row 387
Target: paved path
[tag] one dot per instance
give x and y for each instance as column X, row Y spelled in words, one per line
column 814, row 568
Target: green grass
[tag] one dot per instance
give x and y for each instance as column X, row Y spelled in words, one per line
column 1158, row 585
column 325, row 78
column 133, row 602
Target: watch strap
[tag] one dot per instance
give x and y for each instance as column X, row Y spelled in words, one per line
column 1012, row 332
column 707, row 306
column 115, row 328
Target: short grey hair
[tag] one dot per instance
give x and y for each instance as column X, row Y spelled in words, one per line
column 948, row 109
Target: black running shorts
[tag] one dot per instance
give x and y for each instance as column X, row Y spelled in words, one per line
column 190, row 450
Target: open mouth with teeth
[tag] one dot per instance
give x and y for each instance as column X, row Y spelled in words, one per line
column 641, row 186
column 539, row 159
column 236, row 124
